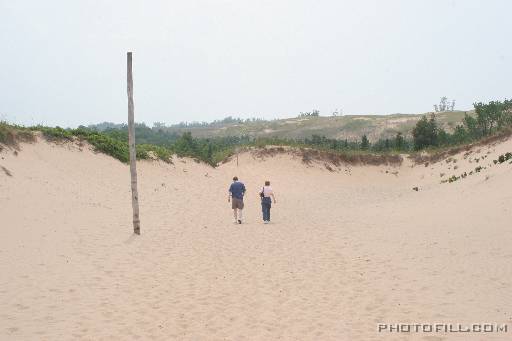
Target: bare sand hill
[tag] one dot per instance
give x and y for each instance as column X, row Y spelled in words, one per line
column 346, row 250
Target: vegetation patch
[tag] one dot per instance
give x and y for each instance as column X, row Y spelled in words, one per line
column 492, row 122
column 352, row 158
column 433, row 155
column 310, row 155
column 54, row 134
column 11, row 135
column 502, row 158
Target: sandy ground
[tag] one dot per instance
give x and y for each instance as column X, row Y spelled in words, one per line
column 345, row 251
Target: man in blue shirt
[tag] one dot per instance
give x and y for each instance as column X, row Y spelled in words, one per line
column 236, row 196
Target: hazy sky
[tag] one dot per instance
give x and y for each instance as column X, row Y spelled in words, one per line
column 64, row 62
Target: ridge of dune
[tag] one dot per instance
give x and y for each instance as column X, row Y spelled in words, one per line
column 349, row 247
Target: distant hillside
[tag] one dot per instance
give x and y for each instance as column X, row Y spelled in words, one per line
column 350, row 127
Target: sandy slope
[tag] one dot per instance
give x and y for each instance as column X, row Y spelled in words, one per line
column 346, row 250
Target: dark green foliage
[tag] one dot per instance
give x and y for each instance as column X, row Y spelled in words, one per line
column 118, row 147
column 443, row 138
column 145, row 134
column 399, row 141
column 365, row 143
column 460, row 135
column 492, row 116
column 425, row 133
column 159, row 152
column 472, row 129
column 211, row 151
column 504, row 157
column 105, row 144
column 489, row 119
column 54, row 133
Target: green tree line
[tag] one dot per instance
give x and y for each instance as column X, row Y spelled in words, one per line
column 489, row 118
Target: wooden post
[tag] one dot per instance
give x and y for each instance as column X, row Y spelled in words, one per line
column 131, row 142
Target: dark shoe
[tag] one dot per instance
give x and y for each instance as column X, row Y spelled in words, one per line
column 239, row 221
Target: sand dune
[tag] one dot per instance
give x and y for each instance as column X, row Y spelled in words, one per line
column 346, row 250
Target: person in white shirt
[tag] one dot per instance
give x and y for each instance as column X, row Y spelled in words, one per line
column 267, row 195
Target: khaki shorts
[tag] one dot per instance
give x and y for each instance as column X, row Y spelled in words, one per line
column 237, row 203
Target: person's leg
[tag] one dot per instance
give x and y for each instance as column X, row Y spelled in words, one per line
column 235, row 214
column 263, row 211
column 268, row 212
column 240, row 204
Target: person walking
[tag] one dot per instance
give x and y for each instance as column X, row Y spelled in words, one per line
column 236, row 196
column 267, row 194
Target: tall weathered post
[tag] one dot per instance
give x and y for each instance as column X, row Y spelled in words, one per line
column 131, row 142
